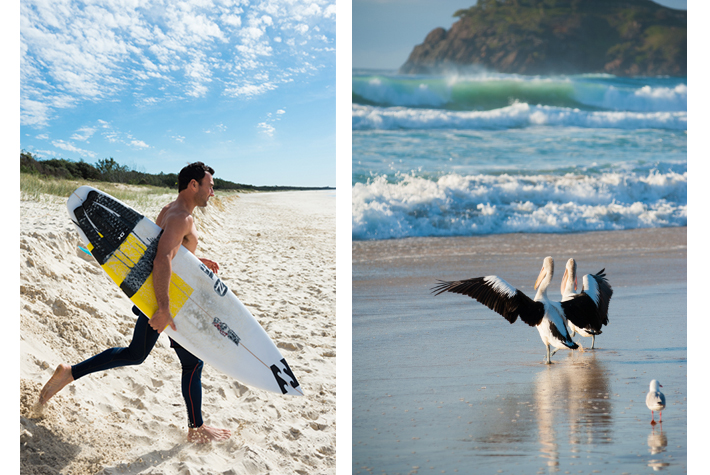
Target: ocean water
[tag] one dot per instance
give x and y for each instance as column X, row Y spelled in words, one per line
column 494, row 153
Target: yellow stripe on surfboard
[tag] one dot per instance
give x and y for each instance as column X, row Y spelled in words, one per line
column 120, row 264
column 145, row 297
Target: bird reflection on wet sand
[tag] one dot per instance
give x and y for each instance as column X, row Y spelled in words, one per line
column 569, row 406
column 657, row 443
column 567, row 412
column 572, row 401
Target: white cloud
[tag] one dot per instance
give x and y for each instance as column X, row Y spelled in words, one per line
column 149, row 101
column 69, row 147
column 198, row 73
column 44, row 153
column 138, row 144
column 34, row 113
column 232, row 20
column 249, row 90
column 266, row 128
column 217, row 129
column 115, row 136
column 73, row 52
column 83, row 134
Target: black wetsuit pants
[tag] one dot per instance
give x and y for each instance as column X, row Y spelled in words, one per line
column 144, row 338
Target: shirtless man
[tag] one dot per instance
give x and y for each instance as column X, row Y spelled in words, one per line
column 195, row 187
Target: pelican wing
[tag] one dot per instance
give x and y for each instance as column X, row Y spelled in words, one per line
column 598, row 288
column 499, row 296
column 590, row 308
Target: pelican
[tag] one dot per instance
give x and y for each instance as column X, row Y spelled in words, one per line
column 592, row 301
column 511, row 303
column 655, row 400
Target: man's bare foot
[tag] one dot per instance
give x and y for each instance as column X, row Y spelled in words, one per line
column 204, row 434
column 61, row 377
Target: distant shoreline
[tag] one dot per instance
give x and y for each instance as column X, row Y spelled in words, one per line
column 110, row 171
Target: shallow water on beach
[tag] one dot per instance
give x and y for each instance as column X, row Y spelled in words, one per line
column 444, row 385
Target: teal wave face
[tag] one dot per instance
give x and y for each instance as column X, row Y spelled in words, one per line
column 489, row 95
column 490, row 92
column 442, row 93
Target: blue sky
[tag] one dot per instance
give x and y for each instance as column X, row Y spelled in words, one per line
column 245, row 86
column 385, row 31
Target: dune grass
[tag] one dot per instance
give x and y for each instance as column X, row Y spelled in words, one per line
column 35, row 188
column 32, row 186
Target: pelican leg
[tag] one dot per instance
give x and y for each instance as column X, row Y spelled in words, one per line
column 548, row 361
column 592, row 343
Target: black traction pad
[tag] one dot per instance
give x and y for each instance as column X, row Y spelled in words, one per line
column 106, row 223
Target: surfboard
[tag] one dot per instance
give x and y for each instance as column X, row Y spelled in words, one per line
column 211, row 322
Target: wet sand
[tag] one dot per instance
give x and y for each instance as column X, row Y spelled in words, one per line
column 445, row 385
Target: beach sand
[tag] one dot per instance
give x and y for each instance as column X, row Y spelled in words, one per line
column 276, row 252
column 445, row 385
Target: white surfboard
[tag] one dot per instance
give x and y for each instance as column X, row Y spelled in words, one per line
column 211, row 322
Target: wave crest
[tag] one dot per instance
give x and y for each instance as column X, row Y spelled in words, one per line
column 514, row 116
column 456, row 205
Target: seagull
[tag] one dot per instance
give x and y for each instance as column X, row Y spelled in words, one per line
column 594, row 299
column 655, row 400
column 511, row 303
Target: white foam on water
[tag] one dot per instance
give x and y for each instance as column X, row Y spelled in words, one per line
column 517, row 115
column 454, row 205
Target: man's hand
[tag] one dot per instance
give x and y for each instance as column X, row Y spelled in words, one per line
column 211, row 265
column 161, row 319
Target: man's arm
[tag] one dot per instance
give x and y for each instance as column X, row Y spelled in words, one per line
column 211, row 265
column 175, row 229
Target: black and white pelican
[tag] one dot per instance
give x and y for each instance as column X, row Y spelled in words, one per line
column 655, row 400
column 590, row 307
column 511, row 303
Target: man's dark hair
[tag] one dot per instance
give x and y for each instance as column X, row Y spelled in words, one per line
column 193, row 171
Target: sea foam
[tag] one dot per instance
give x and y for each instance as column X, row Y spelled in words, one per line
column 456, row 205
column 514, row 116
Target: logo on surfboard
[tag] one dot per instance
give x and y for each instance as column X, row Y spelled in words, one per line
column 226, row 331
column 219, row 286
column 287, row 371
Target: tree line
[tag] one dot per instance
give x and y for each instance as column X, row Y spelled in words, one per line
column 108, row 170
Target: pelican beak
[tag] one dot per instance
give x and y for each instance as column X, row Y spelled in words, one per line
column 564, row 283
column 575, row 283
column 540, row 277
